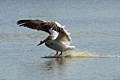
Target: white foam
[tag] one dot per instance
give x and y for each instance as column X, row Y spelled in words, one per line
column 85, row 54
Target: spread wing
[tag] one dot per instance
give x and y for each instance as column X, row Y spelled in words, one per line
column 64, row 37
column 40, row 25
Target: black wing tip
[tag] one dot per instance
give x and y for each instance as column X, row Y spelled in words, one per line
column 27, row 20
column 22, row 21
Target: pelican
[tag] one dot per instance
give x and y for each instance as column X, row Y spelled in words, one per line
column 59, row 39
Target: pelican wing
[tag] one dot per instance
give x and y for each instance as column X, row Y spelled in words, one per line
column 64, row 37
column 40, row 25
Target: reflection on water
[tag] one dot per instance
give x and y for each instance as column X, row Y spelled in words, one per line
column 58, row 61
column 64, row 68
column 47, row 68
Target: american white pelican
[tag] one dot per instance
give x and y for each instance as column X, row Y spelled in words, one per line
column 58, row 40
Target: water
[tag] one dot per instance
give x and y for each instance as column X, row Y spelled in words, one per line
column 95, row 31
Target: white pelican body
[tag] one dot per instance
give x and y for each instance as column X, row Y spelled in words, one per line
column 55, row 45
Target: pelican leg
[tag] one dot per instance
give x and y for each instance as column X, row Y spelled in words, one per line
column 60, row 53
column 56, row 53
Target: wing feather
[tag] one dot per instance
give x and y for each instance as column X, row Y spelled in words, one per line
column 64, row 37
column 40, row 25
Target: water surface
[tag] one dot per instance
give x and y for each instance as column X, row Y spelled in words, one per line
column 94, row 27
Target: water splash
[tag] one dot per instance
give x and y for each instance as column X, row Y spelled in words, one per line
column 75, row 54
